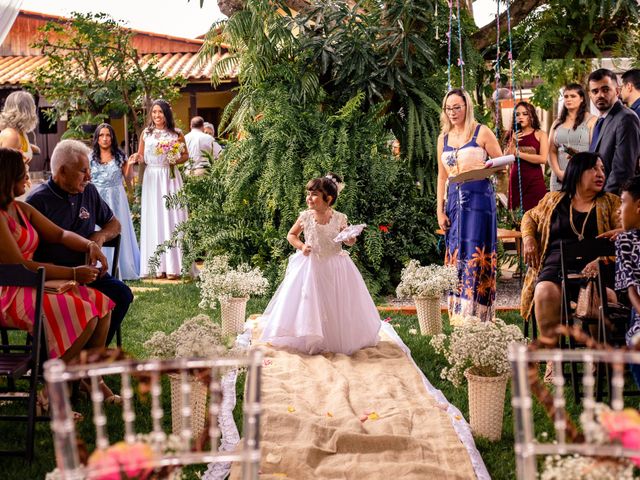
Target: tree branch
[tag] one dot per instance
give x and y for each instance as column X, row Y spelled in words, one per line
column 518, row 11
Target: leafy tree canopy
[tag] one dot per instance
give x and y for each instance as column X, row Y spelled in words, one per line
column 94, row 70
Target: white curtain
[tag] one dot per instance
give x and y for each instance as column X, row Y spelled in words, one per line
column 8, row 12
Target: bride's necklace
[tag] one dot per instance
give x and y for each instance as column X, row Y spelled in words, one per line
column 580, row 234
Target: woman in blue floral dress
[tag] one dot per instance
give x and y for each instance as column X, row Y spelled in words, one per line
column 467, row 210
column 108, row 170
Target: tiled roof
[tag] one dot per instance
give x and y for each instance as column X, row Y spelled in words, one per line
column 16, row 70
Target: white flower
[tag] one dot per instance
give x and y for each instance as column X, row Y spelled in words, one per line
column 428, row 281
column 196, row 337
column 481, row 346
column 218, row 280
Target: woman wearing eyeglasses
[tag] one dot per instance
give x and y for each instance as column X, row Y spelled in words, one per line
column 532, row 150
column 467, row 211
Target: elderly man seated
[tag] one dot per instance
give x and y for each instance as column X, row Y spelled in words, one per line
column 70, row 201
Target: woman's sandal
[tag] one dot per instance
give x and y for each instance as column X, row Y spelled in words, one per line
column 42, row 408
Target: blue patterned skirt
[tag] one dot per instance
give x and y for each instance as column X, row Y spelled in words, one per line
column 471, row 247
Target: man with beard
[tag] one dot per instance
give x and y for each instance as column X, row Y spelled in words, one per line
column 616, row 134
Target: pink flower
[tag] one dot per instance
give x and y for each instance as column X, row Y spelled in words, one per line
column 131, row 459
column 623, row 426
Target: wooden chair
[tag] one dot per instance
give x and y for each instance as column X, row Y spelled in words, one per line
column 58, row 375
column 529, row 444
column 23, row 360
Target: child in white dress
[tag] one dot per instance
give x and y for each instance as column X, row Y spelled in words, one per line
column 323, row 304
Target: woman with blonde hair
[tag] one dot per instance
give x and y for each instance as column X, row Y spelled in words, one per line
column 467, row 210
column 19, row 117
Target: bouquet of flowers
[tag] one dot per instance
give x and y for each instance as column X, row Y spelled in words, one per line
column 218, row 280
column 601, row 428
column 428, row 281
column 196, row 337
column 173, row 149
column 479, row 346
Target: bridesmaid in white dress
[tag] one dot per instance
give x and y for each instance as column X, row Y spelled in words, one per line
column 108, row 172
column 323, row 304
column 157, row 223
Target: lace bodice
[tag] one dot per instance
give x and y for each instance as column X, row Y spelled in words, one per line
column 151, row 140
column 106, row 175
column 320, row 237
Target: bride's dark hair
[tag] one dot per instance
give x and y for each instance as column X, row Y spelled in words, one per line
column 168, row 116
column 327, row 185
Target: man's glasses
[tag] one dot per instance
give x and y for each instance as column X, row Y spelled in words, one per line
column 454, row 109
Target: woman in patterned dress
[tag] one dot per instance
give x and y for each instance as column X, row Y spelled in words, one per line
column 467, row 211
column 161, row 178
column 74, row 320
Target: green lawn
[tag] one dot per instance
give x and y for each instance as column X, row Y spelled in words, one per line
column 164, row 309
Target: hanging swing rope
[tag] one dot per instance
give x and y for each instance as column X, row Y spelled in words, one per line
column 512, row 86
column 460, row 57
column 498, row 80
column 449, row 46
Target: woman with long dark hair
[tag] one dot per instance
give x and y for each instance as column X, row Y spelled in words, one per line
column 161, row 148
column 109, row 171
column 532, row 149
column 570, row 133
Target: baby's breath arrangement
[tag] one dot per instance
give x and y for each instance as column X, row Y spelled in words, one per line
column 479, row 346
column 218, row 280
column 427, row 281
column 196, row 337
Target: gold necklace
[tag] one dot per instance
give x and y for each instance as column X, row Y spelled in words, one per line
column 584, row 224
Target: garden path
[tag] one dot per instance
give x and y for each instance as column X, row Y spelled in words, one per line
column 371, row 415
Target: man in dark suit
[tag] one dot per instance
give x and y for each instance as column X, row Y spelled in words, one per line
column 616, row 135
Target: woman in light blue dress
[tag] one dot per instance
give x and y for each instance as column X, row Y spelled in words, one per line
column 108, row 170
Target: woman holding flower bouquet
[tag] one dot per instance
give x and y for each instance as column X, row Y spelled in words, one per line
column 161, row 148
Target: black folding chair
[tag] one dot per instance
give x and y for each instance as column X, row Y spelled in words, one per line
column 23, row 360
column 115, row 244
column 573, row 254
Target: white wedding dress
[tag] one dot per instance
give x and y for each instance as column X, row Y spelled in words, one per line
column 157, row 223
column 323, row 304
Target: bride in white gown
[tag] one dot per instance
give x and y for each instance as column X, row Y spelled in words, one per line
column 161, row 178
column 323, row 304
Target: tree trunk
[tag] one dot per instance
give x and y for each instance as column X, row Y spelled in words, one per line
column 518, row 11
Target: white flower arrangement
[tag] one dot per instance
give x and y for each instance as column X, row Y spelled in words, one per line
column 427, row 281
column 578, row 467
column 218, row 280
column 196, row 337
column 479, row 346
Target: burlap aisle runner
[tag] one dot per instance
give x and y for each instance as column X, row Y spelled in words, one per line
column 313, row 407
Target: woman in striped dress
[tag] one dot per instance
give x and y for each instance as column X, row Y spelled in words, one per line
column 74, row 320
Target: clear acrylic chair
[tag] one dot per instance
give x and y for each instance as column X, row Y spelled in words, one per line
column 524, row 366
column 58, row 375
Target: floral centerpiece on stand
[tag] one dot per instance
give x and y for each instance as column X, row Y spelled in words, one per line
column 173, row 149
column 477, row 351
column 426, row 284
column 220, row 282
column 196, row 337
